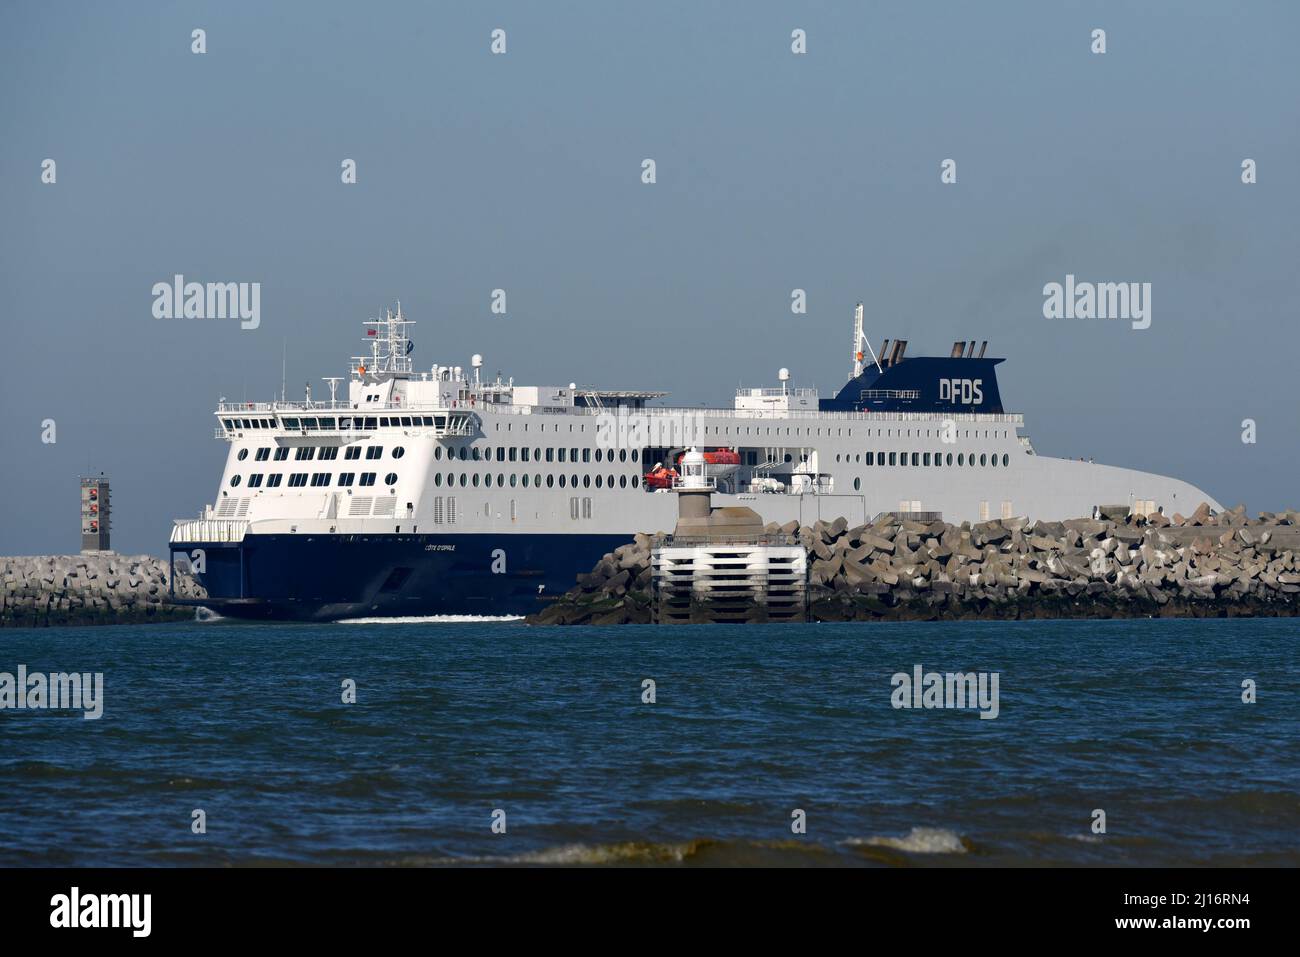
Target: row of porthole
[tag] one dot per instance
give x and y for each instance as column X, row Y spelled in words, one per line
column 467, row 453
column 924, row 459
column 305, row 453
column 551, row 480
column 317, row 480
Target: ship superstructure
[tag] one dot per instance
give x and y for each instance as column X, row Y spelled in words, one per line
column 441, row 491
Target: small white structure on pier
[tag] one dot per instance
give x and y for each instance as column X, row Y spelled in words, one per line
column 720, row 565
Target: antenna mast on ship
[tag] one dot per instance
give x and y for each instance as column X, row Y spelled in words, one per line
column 859, row 340
column 390, row 346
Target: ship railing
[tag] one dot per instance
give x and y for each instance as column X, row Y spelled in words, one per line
column 694, row 483
column 456, row 422
column 327, row 405
column 209, row 529
column 743, row 393
column 867, row 394
column 1005, row 418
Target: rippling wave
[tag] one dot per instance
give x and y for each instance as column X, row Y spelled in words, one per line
column 455, row 720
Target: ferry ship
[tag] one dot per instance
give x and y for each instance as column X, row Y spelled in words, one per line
column 442, row 492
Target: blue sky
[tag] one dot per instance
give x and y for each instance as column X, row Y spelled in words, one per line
column 522, row 172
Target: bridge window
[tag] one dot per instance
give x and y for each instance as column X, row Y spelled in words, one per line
column 374, row 451
column 297, row 480
column 345, row 479
column 304, row 453
column 320, row 478
column 262, row 455
column 329, row 453
column 367, row 478
column 255, row 480
column 273, row 481
column 352, row 452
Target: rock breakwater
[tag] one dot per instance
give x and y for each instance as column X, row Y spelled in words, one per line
column 1115, row 565
column 92, row 589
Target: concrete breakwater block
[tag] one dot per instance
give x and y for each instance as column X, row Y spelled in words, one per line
column 1205, row 565
column 91, row 589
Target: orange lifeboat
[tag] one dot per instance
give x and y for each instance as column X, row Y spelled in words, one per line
column 717, row 457
column 660, row 477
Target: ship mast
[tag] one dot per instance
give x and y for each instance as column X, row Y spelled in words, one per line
column 859, row 340
column 390, row 346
